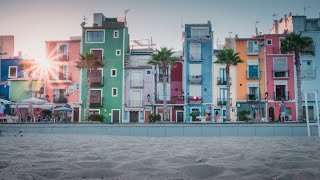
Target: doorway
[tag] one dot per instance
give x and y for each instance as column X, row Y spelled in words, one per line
column 146, row 116
column 134, row 116
column 179, row 116
column 271, row 113
column 76, row 114
column 115, row 115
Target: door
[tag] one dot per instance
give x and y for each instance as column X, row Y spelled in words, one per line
column 75, row 114
column 146, row 116
column 134, row 116
column 179, row 116
column 115, row 115
column 271, row 113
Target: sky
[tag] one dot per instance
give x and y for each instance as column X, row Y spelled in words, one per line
column 33, row 22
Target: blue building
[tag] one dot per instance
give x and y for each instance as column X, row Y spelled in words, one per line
column 197, row 75
column 9, row 69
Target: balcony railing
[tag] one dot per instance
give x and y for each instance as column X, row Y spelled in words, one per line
column 62, row 57
column 221, row 81
column 281, row 96
column 96, row 101
column 278, row 51
column 97, row 80
column 136, row 83
column 281, row 74
column 135, row 103
column 195, row 99
column 308, row 74
column 60, row 99
column 252, row 97
column 195, row 79
column 223, row 101
column 61, row 77
column 195, row 57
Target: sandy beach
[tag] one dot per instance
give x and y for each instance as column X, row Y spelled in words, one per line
column 39, row 156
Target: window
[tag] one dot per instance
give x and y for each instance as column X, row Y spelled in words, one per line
column 253, row 93
column 280, row 93
column 269, row 41
column 280, row 67
column 95, row 36
column 253, row 71
column 114, row 92
column 96, row 97
column 77, row 86
column 253, row 47
column 307, row 70
column 200, row 32
column 94, row 111
column 148, row 72
column 280, row 42
column 115, row 34
column 118, row 52
column 160, row 75
column 113, row 73
column 195, row 52
column 62, row 51
column 98, row 53
column 13, row 71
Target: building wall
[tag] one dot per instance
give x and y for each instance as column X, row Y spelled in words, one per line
column 111, row 61
column 7, row 45
column 73, row 57
column 19, row 89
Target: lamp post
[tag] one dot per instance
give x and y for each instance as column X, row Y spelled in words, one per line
column 259, row 60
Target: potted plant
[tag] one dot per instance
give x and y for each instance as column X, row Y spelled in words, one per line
column 96, row 118
column 194, row 115
column 154, row 117
column 244, row 115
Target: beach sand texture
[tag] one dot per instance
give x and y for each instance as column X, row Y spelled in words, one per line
column 39, row 156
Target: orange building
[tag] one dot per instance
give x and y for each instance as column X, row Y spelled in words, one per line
column 249, row 74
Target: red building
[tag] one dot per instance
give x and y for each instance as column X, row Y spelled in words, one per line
column 280, row 78
column 175, row 93
column 63, row 79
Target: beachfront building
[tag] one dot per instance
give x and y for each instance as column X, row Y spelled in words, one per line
column 108, row 38
column 175, row 92
column 220, row 89
column 10, row 69
column 310, row 64
column 62, row 83
column 139, row 86
column 280, row 75
column 197, row 68
column 6, row 47
column 250, row 79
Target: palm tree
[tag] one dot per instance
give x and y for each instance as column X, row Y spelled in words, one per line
column 229, row 58
column 28, row 66
column 89, row 62
column 163, row 59
column 298, row 44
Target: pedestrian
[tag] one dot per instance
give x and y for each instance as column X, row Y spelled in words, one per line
column 283, row 111
column 208, row 113
column 2, row 110
column 253, row 108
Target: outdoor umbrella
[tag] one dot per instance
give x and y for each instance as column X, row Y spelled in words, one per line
column 66, row 109
column 32, row 101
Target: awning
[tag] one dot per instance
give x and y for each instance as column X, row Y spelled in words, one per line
column 42, row 106
column 133, row 109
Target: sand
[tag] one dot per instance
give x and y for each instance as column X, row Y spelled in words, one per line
column 39, row 156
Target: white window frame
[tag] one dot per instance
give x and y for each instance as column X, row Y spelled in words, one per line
column 101, row 90
column 287, row 73
column 58, row 47
column 118, row 50
column 94, row 110
column 114, row 34
column 112, row 114
column 9, row 76
column 93, row 49
column 86, row 34
column 253, row 53
column 169, row 74
column 112, row 92
column 115, row 72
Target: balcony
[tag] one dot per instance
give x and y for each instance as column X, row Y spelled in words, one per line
column 221, row 81
column 135, row 103
column 281, row 96
column 60, row 99
column 195, row 99
column 195, row 57
column 281, row 74
column 96, row 101
column 223, row 101
column 67, row 78
column 252, row 97
column 195, row 79
column 308, row 74
column 136, row 83
column 62, row 56
column 97, row 81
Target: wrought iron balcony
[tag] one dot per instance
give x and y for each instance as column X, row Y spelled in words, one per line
column 223, row 101
column 60, row 77
column 281, row 74
column 281, row 96
column 195, row 99
column 195, row 79
column 96, row 101
column 60, row 99
column 97, row 81
column 221, row 81
column 252, row 97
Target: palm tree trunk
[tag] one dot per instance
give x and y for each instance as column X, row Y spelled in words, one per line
column 298, row 68
column 86, row 113
column 165, row 77
column 228, row 92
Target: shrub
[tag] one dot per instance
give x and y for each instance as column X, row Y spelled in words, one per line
column 194, row 114
column 154, row 117
column 96, row 117
column 244, row 115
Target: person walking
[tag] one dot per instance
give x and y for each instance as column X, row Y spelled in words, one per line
column 2, row 110
column 283, row 111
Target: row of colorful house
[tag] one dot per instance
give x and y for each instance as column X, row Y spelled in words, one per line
column 128, row 89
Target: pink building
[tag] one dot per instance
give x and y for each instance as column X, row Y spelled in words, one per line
column 7, row 47
column 280, row 78
column 63, row 79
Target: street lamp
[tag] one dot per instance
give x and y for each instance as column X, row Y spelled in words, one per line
column 259, row 59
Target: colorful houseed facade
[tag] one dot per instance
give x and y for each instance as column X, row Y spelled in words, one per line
column 197, row 74
column 108, row 38
column 62, row 84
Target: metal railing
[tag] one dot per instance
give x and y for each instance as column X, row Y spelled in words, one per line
column 283, row 96
column 61, row 77
column 223, row 101
column 97, row 81
column 62, row 57
column 195, row 79
column 221, row 81
column 281, row 74
column 252, row 97
column 60, row 99
column 195, row 57
column 96, row 101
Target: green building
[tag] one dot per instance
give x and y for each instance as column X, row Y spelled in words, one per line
column 108, row 38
